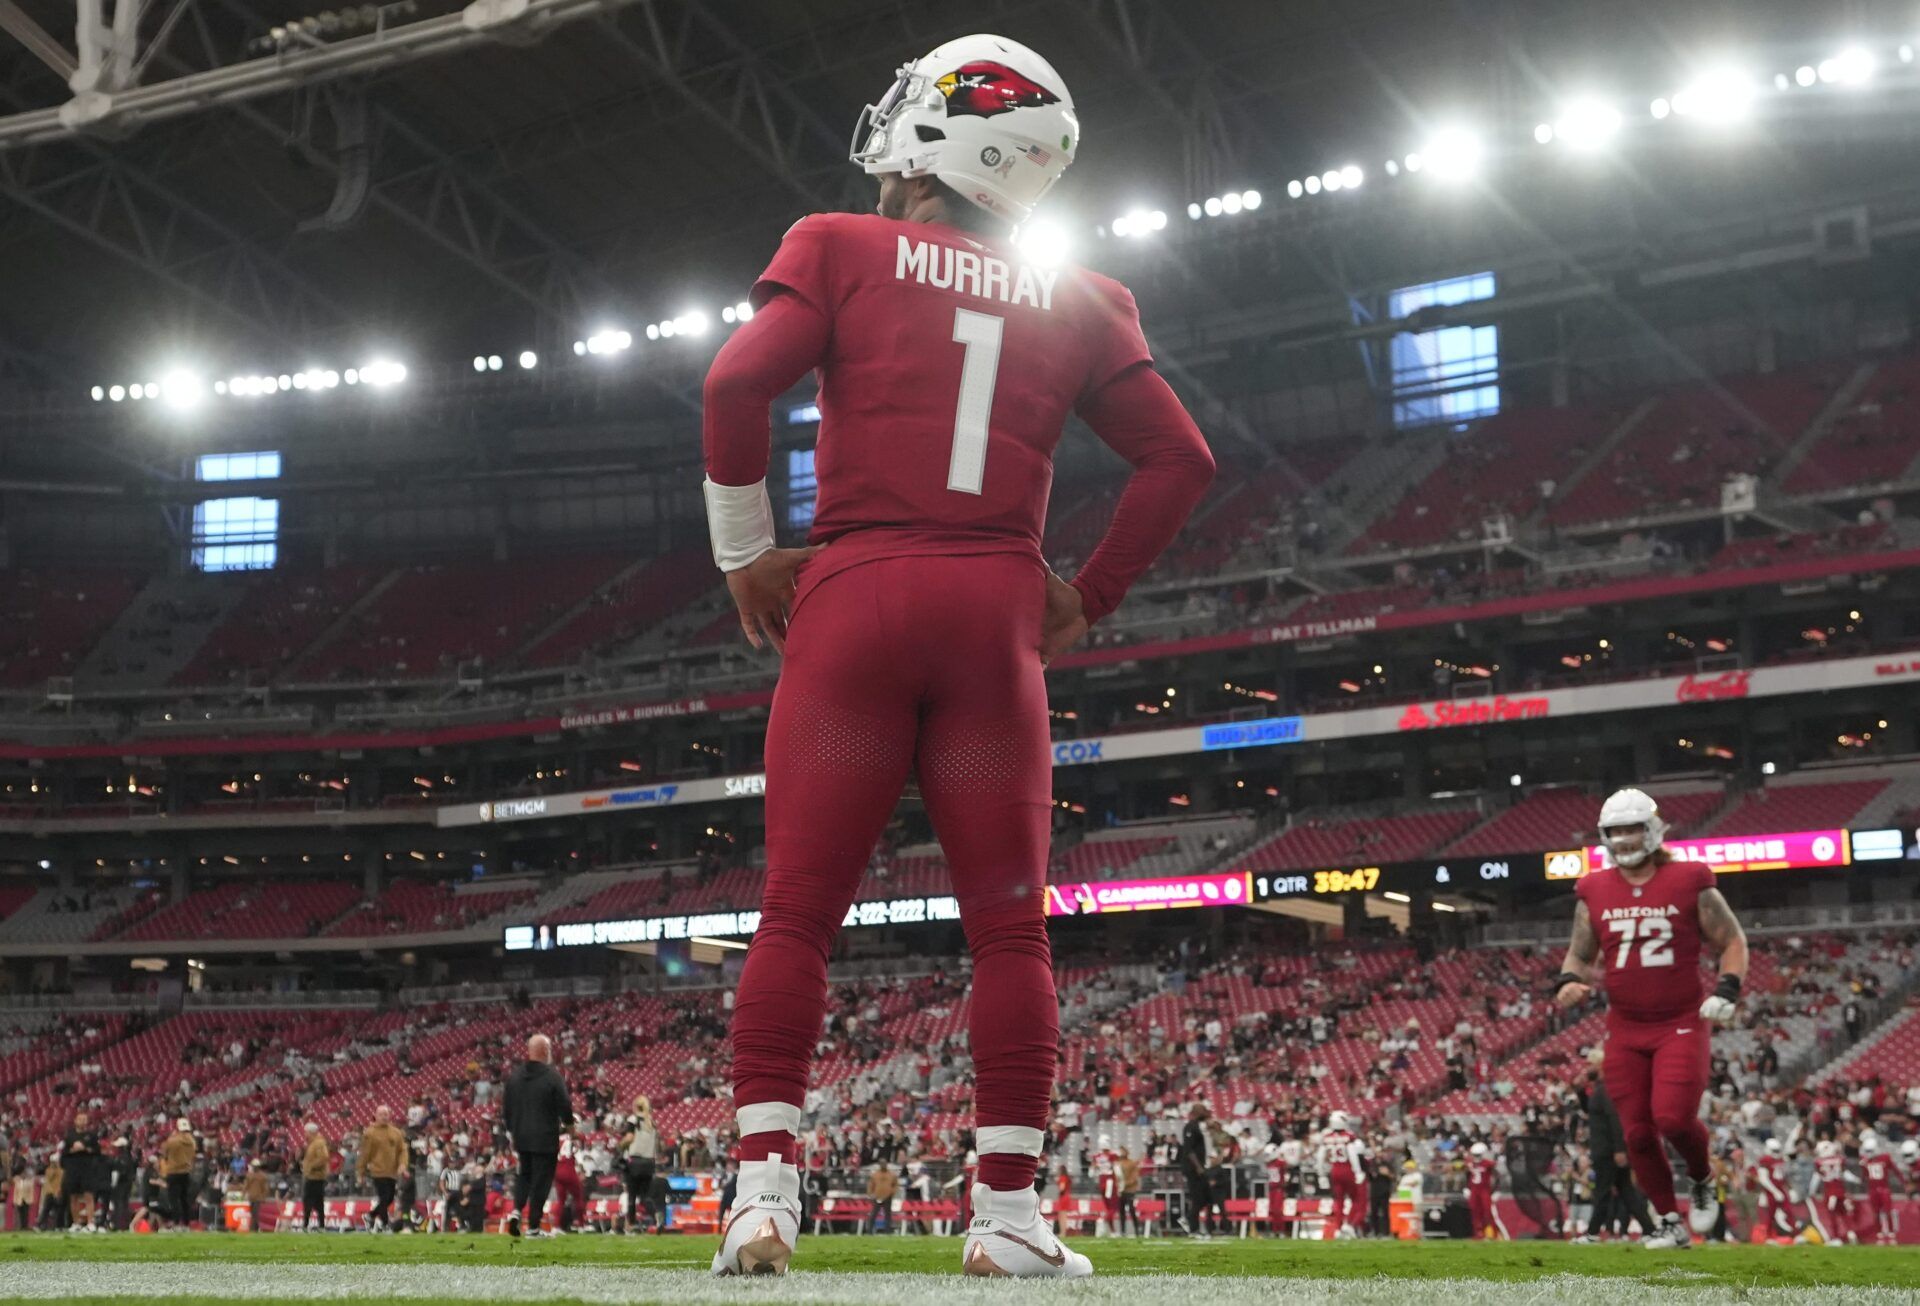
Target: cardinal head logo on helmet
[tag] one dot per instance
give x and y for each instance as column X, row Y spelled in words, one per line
column 984, row 88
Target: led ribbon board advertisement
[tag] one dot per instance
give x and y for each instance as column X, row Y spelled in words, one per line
column 1727, row 853
column 1062, row 900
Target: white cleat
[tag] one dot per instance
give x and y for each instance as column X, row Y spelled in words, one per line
column 1672, row 1235
column 764, row 1222
column 1704, row 1212
column 1008, row 1240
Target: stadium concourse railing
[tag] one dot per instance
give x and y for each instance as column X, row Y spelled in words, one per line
column 1775, row 920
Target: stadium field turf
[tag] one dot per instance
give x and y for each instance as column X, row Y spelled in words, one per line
column 187, row 1269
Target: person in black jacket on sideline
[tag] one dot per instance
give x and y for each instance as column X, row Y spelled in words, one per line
column 1615, row 1199
column 537, row 1113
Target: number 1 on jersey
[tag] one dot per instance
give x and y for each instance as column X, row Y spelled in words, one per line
column 980, row 333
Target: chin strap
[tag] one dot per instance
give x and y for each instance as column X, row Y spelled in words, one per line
column 739, row 523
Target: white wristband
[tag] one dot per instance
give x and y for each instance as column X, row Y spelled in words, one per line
column 739, row 522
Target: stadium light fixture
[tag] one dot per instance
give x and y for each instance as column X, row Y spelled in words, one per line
column 1585, row 124
column 1514, row 780
column 1212, row 208
column 494, row 363
column 1719, row 95
column 1452, row 155
column 1351, row 176
column 1313, row 186
column 1660, row 108
column 1043, row 244
column 383, row 372
column 1806, row 75
column 1194, row 210
column 1250, row 200
column 1543, row 133
column 1139, row 222
column 116, row 393
column 479, row 363
column 1331, row 181
column 694, row 322
column 353, row 376
column 1230, row 204
column 98, row 393
column 220, row 387
column 1906, row 53
column 743, row 311
column 1413, row 162
column 1853, row 66
column 1392, row 167
column 1295, row 190
column 529, row 360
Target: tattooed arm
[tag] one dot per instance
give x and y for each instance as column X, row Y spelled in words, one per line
column 1723, row 934
column 1582, row 951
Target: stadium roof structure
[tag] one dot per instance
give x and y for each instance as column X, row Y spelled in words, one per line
column 534, row 165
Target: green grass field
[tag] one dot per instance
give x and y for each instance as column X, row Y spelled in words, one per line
column 191, row 1268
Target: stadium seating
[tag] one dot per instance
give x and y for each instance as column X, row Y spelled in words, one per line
column 279, row 617
column 1873, row 441
column 1681, row 452
column 629, row 607
column 280, row 909
column 52, row 619
column 419, row 907
column 1315, row 842
column 1799, row 804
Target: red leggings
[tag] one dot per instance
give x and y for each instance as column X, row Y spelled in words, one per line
column 928, row 663
column 1656, row 1074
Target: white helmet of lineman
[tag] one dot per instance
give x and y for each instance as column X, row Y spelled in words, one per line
column 1826, row 1148
column 1631, row 828
column 1774, row 1148
column 1910, row 1150
column 1339, row 1120
column 985, row 115
column 1478, row 1149
column 1869, row 1144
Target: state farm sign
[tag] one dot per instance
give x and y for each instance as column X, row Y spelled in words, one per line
column 1475, row 712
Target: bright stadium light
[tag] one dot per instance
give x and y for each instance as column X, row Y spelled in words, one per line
column 1906, row 53
column 1295, row 190
column 1139, row 222
column 668, row 330
column 743, row 311
column 1212, row 207
column 691, row 323
column 529, row 360
column 1586, row 124
column 1249, row 200
column 1660, row 107
column 1351, row 176
column 1543, row 133
column 116, row 393
column 1043, row 244
column 1452, row 155
column 1392, row 167
column 1194, row 210
column 1230, row 204
column 220, row 387
column 653, row 333
column 1331, row 180
column 383, row 372
column 98, row 393
column 285, row 382
column 494, row 363
column 479, row 362
column 1313, row 185
column 1720, row 95
column 1853, row 66
column 1806, row 75
column 353, row 376
column 153, row 390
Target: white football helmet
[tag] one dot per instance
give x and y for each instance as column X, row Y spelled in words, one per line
column 1774, row 1148
column 1478, row 1149
column 1339, row 1120
column 985, row 115
column 1910, row 1150
column 1826, row 1148
column 1631, row 828
column 1869, row 1144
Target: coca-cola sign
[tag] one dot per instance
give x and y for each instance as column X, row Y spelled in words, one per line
column 1700, row 689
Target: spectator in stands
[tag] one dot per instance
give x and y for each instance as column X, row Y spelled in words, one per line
column 177, row 1156
column 315, row 1162
column 22, row 1195
column 80, row 1158
column 537, row 1111
column 53, row 1211
column 640, row 1150
column 383, row 1154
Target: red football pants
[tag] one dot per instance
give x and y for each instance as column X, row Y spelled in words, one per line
column 1349, row 1200
column 1656, row 1073
column 928, row 663
column 1880, row 1208
column 1776, row 1218
column 1480, row 1210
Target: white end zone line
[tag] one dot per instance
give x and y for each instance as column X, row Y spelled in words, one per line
column 239, row 1282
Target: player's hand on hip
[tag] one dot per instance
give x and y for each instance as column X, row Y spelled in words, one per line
column 1718, row 1009
column 763, row 591
column 1064, row 623
column 1572, row 995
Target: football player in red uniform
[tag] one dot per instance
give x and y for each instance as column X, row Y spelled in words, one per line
column 1481, row 1168
column 1774, row 1186
column 1342, row 1158
column 1643, row 921
column 1879, row 1169
column 916, row 625
column 1832, row 1212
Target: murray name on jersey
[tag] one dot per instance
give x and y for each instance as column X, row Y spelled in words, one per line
column 969, row 273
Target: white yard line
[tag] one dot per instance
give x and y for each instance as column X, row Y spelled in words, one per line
column 237, row 1282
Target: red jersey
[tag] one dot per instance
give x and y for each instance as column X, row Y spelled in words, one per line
column 1339, row 1153
column 1480, row 1172
column 1649, row 939
column 1770, row 1178
column 1879, row 1171
column 1832, row 1170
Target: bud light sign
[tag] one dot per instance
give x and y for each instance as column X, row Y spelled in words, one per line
column 1251, row 734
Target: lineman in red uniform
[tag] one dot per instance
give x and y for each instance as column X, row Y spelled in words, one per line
column 1106, row 1174
column 1647, row 915
column 916, row 626
column 1481, row 1168
column 1879, row 1170
column 1773, row 1184
column 570, row 1194
column 1341, row 1154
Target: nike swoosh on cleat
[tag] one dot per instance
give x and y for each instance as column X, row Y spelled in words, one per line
column 1056, row 1260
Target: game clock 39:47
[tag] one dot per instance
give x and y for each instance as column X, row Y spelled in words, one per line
column 1269, row 885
